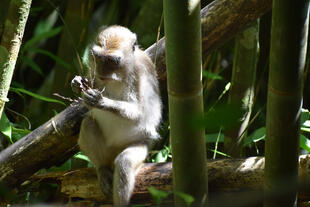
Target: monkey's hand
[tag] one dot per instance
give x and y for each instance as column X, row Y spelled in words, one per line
column 93, row 98
column 79, row 84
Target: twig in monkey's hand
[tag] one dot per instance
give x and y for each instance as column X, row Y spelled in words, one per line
column 63, row 97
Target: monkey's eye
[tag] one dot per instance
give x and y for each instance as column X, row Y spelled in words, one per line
column 134, row 45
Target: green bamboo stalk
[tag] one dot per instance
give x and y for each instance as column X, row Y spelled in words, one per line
column 242, row 86
column 13, row 33
column 183, row 53
column 284, row 101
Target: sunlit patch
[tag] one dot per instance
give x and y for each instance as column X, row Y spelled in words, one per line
column 192, row 5
column 251, row 163
column 96, row 49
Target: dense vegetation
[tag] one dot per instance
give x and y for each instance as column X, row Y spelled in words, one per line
column 234, row 82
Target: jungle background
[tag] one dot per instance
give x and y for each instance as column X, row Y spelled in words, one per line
column 54, row 49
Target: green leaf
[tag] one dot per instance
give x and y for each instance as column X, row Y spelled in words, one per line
column 40, row 37
column 42, row 98
column 212, row 138
column 186, row 197
column 304, row 143
column 47, row 24
column 211, row 75
column 81, row 156
column 32, row 64
column 158, row 195
column 55, row 58
column 18, row 133
column 305, row 115
column 305, row 129
column 257, row 135
column 6, row 127
column 224, row 116
column 220, row 153
column 163, row 155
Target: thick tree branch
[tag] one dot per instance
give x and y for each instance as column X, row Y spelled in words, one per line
column 220, row 21
column 229, row 177
column 50, row 144
column 55, row 141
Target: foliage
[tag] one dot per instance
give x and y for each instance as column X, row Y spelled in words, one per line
column 31, row 88
column 159, row 196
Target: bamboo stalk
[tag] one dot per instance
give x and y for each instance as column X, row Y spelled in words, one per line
column 284, row 102
column 242, row 86
column 13, row 33
column 183, row 52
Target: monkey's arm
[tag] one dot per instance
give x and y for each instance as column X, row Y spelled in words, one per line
column 94, row 98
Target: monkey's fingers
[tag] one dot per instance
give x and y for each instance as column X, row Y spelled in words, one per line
column 92, row 97
column 79, row 84
column 76, row 84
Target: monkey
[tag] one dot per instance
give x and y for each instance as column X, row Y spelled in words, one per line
column 124, row 110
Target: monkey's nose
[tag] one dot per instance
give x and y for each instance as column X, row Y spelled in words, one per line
column 112, row 60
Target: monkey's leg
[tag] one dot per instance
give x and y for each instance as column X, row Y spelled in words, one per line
column 91, row 142
column 127, row 164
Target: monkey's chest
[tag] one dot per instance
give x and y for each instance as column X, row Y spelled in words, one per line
column 116, row 130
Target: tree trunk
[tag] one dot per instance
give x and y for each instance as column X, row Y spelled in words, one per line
column 284, row 102
column 11, row 40
column 183, row 51
column 232, row 182
column 61, row 146
column 242, row 87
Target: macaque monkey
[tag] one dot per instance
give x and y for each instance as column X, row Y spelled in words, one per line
column 124, row 110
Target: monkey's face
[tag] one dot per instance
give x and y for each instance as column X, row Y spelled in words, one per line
column 113, row 53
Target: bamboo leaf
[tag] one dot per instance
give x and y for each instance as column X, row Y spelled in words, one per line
column 212, row 138
column 34, row 95
column 17, row 133
column 54, row 57
column 158, row 195
column 220, row 153
column 186, row 197
column 42, row 36
column 211, row 75
column 257, row 135
column 33, row 65
column 6, row 127
column 81, row 156
column 304, row 143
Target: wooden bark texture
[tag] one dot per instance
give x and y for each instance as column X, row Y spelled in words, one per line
column 50, row 144
column 227, row 177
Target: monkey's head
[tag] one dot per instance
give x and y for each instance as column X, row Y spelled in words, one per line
column 113, row 53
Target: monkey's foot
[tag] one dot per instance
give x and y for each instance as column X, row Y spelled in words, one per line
column 105, row 177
